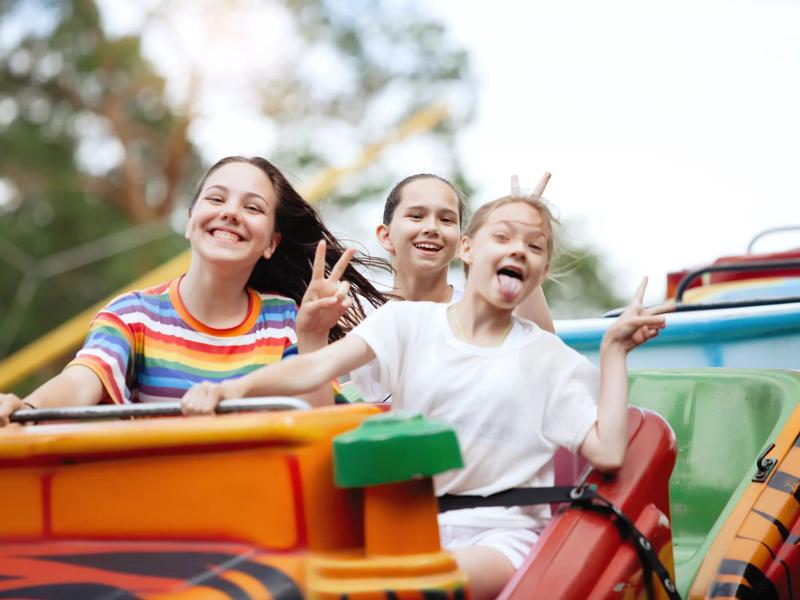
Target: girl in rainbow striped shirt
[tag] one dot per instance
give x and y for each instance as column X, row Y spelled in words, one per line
column 253, row 240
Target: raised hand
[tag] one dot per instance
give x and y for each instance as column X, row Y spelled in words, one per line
column 326, row 299
column 636, row 324
column 538, row 190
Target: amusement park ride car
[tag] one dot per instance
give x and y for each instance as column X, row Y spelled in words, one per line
column 338, row 502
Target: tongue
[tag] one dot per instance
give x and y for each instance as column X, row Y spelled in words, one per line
column 509, row 286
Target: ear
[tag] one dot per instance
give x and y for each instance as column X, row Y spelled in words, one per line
column 545, row 274
column 273, row 243
column 382, row 233
column 188, row 224
column 465, row 249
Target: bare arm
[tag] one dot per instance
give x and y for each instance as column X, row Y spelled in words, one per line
column 534, row 308
column 75, row 386
column 289, row 377
column 606, row 442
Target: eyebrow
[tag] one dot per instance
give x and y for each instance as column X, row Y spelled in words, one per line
column 513, row 224
column 247, row 194
column 422, row 207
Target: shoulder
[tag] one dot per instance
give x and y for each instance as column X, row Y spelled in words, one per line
column 548, row 344
column 400, row 314
column 409, row 309
column 138, row 300
column 276, row 303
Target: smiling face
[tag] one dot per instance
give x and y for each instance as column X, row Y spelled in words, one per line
column 423, row 233
column 507, row 255
column 233, row 218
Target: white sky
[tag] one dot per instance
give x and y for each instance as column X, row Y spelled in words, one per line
column 672, row 129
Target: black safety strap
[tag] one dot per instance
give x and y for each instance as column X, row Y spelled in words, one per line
column 512, row 497
column 584, row 497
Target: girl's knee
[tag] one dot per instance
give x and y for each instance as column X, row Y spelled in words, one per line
column 488, row 570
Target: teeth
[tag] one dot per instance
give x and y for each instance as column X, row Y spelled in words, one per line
column 424, row 246
column 226, row 235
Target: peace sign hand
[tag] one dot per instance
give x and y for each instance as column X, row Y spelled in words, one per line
column 516, row 192
column 326, row 299
column 636, row 324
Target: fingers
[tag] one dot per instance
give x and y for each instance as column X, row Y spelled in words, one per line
column 342, row 290
column 318, row 270
column 660, row 309
column 9, row 403
column 639, row 295
column 338, row 269
column 202, row 399
column 539, row 190
column 647, row 321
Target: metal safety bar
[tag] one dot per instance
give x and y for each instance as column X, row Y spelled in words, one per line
column 152, row 409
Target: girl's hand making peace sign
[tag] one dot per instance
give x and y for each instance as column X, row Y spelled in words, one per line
column 326, row 299
column 636, row 324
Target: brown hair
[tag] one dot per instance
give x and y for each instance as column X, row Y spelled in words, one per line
column 288, row 271
column 396, row 196
column 479, row 219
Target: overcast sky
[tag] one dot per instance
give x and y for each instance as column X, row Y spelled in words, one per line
column 671, row 128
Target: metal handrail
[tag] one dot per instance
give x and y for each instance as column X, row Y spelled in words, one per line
column 767, row 232
column 718, row 305
column 772, row 265
column 152, row 409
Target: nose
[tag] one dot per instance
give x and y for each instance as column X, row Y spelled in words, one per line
column 429, row 225
column 518, row 248
column 229, row 212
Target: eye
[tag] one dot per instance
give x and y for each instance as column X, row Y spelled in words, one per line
column 448, row 220
column 500, row 237
column 535, row 247
column 254, row 208
column 415, row 216
column 215, row 199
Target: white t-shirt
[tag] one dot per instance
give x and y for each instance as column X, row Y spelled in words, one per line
column 512, row 406
column 367, row 378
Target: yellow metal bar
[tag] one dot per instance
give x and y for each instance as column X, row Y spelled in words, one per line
column 69, row 335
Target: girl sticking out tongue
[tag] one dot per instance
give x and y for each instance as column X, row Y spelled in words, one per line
column 513, row 392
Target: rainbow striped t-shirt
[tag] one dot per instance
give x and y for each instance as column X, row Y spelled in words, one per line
column 146, row 347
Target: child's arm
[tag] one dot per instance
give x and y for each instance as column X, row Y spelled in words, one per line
column 75, row 386
column 324, row 303
column 605, row 444
column 289, row 377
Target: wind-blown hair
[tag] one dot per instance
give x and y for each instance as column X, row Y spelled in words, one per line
column 288, row 271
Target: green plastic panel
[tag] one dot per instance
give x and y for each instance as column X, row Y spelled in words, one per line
column 394, row 447
column 723, row 419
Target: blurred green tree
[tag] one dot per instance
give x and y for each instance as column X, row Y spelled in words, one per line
column 581, row 284
column 97, row 155
column 104, row 128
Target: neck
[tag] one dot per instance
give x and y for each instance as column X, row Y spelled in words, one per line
column 216, row 296
column 432, row 287
column 479, row 322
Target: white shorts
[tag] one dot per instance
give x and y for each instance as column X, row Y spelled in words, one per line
column 514, row 544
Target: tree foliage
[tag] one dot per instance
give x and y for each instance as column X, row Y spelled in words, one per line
column 93, row 144
column 100, row 152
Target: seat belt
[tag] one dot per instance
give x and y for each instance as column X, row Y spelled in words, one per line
column 584, row 497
